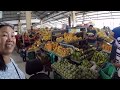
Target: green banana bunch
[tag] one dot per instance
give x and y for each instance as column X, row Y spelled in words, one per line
column 100, row 58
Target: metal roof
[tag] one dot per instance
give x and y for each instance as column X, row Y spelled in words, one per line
column 41, row 15
column 16, row 15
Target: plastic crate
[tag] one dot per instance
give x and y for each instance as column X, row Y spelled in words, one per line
column 107, row 71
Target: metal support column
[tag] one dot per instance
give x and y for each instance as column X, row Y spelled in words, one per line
column 73, row 18
column 28, row 20
column 41, row 23
column 83, row 18
column 69, row 21
column 19, row 27
column 19, row 23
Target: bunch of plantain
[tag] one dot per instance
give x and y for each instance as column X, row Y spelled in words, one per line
column 100, row 58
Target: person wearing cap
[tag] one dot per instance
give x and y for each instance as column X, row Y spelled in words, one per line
column 8, row 67
column 91, row 35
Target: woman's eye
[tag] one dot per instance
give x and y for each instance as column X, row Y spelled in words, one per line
column 4, row 35
column 13, row 35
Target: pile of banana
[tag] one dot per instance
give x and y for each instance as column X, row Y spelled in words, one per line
column 99, row 58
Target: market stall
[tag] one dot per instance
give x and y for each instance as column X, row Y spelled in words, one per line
column 70, row 56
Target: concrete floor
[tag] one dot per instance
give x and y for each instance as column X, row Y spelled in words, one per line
column 21, row 64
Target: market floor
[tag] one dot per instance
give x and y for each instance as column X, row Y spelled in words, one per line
column 21, row 64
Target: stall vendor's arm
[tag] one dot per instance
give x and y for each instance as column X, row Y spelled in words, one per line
column 116, row 65
column 95, row 35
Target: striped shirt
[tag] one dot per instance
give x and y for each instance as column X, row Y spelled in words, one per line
column 118, row 50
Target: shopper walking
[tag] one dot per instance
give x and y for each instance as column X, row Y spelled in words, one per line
column 8, row 68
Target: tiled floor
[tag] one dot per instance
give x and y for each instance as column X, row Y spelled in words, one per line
column 21, row 64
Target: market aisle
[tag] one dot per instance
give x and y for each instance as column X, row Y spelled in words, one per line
column 19, row 62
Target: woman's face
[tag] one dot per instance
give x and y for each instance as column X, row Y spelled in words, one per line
column 7, row 40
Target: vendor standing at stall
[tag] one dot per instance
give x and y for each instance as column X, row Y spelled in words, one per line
column 91, row 35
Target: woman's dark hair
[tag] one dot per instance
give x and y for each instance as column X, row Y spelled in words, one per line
column 90, row 25
column 2, row 62
column 2, row 24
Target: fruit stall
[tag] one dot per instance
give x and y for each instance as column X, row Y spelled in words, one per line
column 69, row 55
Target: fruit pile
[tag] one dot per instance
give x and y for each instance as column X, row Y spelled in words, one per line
column 66, row 69
column 86, row 63
column 60, row 39
column 71, row 71
column 49, row 46
column 70, row 37
column 76, row 55
column 37, row 43
column 35, row 46
column 106, row 47
column 58, row 49
column 46, row 34
column 86, row 73
column 99, row 58
column 102, row 34
column 81, row 55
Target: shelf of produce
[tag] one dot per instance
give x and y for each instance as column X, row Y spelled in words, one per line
column 60, row 35
column 84, row 56
column 60, row 56
column 58, row 31
column 56, row 54
column 80, row 61
column 73, row 42
column 77, row 62
column 106, row 51
column 67, row 45
column 58, row 72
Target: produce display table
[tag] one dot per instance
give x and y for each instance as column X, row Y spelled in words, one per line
column 58, row 75
column 68, row 51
